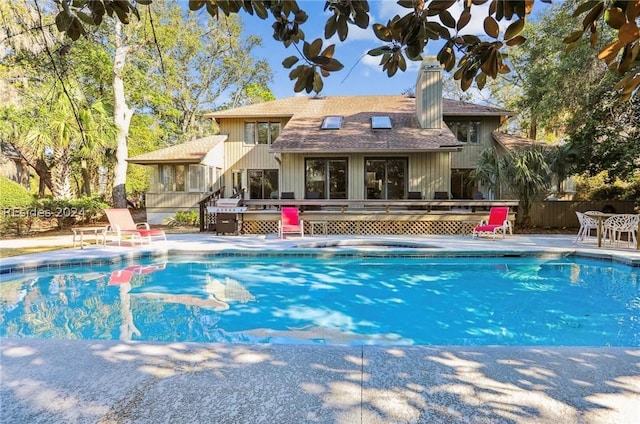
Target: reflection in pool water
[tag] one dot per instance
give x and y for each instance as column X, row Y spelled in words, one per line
column 332, row 300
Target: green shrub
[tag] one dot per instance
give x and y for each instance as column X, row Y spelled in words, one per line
column 70, row 212
column 15, row 202
column 609, row 192
column 184, row 219
column 13, row 195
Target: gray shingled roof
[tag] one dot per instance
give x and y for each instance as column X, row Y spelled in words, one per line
column 303, row 134
column 512, row 142
column 188, row 152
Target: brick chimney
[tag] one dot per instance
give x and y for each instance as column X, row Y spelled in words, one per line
column 429, row 94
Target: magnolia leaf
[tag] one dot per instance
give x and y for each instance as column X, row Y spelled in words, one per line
column 261, row 11
column 310, row 80
column 584, row 7
column 297, row 72
column 362, row 20
column 491, row 27
column 319, row 60
column 441, row 4
column 514, row 29
column 573, row 37
column 330, row 27
column 611, row 51
column 464, row 19
column 481, row 80
column 593, row 39
column 414, row 51
column 593, row 15
column 144, row 2
column 447, row 19
column 465, row 83
column 614, row 17
column 328, row 63
column 343, row 28
column 382, row 32
column 314, row 48
column 87, row 19
column 328, row 52
column 196, row 4
column 628, row 32
column 63, row 21
column 379, row 51
column 317, row 83
column 402, row 63
column 516, row 41
column 290, row 61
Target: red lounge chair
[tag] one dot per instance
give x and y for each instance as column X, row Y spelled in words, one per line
column 290, row 222
column 121, row 224
column 498, row 221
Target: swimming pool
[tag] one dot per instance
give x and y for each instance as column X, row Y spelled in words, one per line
column 327, row 299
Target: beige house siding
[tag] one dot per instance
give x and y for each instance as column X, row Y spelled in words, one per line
column 469, row 155
column 427, row 173
column 165, row 205
column 241, row 156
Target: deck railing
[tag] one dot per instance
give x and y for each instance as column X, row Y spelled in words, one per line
column 383, row 205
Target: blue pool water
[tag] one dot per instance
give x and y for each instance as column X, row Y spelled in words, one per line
column 336, row 300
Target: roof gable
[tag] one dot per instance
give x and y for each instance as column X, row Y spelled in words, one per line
column 194, row 151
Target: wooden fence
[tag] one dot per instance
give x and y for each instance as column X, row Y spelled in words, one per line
column 562, row 213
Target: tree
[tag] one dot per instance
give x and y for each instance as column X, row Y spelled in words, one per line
column 606, row 135
column 562, row 160
column 193, row 65
column 406, row 37
column 524, row 172
column 56, row 137
column 528, row 178
column 490, row 168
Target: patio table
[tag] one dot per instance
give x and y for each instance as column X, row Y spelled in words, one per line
column 97, row 231
column 601, row 216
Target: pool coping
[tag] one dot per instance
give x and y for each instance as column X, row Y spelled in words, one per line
column 356, row 246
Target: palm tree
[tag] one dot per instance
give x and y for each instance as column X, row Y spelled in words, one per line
column 65, row 135
column 490, row 168
column 528, row 177
column 562, row 161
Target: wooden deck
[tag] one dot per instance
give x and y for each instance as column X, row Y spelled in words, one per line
column 368, row 217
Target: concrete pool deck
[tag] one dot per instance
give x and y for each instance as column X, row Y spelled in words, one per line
column 95, row 381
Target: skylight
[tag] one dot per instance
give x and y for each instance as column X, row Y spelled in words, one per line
column 381, row 122
column 331, row 123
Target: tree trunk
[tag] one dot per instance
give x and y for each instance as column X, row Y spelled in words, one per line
column 61, row 174
column 122, row 118
column 86, row 178
column 38, row 165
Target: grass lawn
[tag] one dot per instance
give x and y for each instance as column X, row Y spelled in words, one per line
column 8, row 252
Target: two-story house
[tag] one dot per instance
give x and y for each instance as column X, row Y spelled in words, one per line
column 348, row 147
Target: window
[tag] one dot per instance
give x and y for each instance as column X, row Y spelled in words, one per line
column 465, row 131
column 171, row 178
column 385, row 178
column 263, row 183
column 326, row 177
column 261, row 132
column 197, row 181
column 381, row 122
column 331, row 123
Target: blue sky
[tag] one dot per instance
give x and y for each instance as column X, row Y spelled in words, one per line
column 362, row 73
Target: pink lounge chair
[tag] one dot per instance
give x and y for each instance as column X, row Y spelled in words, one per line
column 290, row 222
column 121, row 224
column 498, row 221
